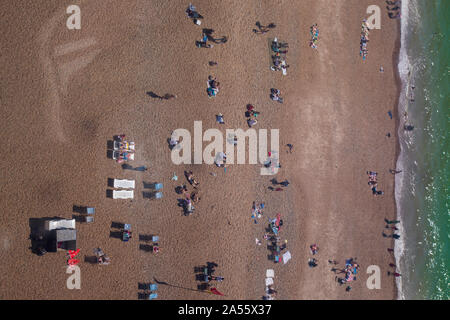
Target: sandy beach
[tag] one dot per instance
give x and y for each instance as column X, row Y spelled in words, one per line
column 65, row 93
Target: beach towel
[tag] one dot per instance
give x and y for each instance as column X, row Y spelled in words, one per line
column 286, row 257
column 215, row 291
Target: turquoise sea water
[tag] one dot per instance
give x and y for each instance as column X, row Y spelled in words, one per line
column 422, row 189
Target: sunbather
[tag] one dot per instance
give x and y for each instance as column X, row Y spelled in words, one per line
column 191, row 178
column 251, row 122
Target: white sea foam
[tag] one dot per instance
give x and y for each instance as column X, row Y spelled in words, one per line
column 404, row 72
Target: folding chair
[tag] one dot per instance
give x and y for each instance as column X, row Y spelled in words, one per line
column 152, row 296
column 153, row 287
column 158, row 195
column 158, row 186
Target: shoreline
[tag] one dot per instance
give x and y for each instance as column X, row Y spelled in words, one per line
column 396, row 60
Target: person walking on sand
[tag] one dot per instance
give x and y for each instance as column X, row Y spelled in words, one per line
column 284, row 183
column 168, row 96
column 390, row 250
column 314, row 249
column 290, row 146
column 391, row 227
column 263, row 29
column 284, row 245
column 275, row 189
column 392, row 265
column 219, row 118
column 391, row 221
column 395, row 274
column 312, row 263
column 394, row 171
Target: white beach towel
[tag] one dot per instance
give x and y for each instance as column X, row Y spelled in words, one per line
column 124, row 184
column 269, row 281
column 123, row 194
column 286, row 257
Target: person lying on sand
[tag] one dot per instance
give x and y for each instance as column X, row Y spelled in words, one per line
column 194, row 196
column 251, row 122
column 394, row 16
column 190, row 177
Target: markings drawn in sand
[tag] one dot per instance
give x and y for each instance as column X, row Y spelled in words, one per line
column 57, row 72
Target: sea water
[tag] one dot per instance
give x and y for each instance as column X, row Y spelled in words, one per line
column 422, row 188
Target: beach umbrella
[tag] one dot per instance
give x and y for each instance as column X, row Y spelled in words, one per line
column 286, row 257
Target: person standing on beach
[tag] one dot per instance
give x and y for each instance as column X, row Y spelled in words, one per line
column 290, row 146
column 391, row 221
column 391, row 227
column 168, row 96
column 284, row 183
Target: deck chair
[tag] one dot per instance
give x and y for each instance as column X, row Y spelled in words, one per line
column 269, row 281
column 270, row 273
column 158, row 186
column 89, row 219
column 152, row 296
column 155, row 239
column 153, row 287
column 90, row 210
column 158, row 195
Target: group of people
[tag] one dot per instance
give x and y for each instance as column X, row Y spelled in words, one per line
column 312, row 262
column 190, row 198
column 284, row 183
column 192, row 13
column 213, row 86
column 251, row 115
column 206, row 276
column 279, row 58
column 373, row 183
column 257, row 211
column 125, row 151
column 278, row 245
column 314, row 30
column 394, row 12
column 275, row 95
column 102, row 258
column 363, row 51
column 390, row 224
column 350, row 270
